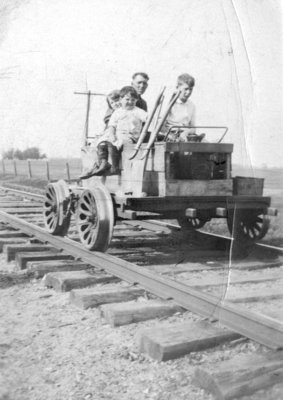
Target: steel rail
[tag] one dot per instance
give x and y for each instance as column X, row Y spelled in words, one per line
column 177, row 227
column 156, row 222
column 23, row 193
column 260, row 328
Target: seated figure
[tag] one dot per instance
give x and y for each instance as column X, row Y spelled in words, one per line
column 124, row 126
column 181, row 114
column 100, row 143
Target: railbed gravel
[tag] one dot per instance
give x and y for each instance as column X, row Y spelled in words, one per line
column 49, row 349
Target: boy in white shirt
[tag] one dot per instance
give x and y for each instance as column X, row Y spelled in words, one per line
column 124, row 126
column 182, row 113
column 126, row 122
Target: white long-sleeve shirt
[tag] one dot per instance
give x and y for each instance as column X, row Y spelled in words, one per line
column 181, row 114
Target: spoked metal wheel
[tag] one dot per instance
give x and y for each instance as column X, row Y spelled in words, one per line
column 248, row 226
column 95, row 218
column 56, row 212
column 192, row 223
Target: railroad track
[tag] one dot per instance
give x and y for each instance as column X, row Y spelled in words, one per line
column 192, row 271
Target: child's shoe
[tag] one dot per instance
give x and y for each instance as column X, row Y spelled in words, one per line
column 89, row 173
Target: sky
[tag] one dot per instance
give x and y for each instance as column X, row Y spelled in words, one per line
column 49, row 50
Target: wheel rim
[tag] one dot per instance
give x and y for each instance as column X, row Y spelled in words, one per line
column 55, row 213
column 95, row 219
column 248, row 226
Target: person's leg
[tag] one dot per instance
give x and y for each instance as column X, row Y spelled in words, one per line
column 115, row 156
column 101, row 165
column 102, row 153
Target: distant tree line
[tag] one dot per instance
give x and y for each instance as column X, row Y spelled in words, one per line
column 29, row 153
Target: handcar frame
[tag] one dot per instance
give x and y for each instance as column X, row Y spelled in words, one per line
column 190, row 182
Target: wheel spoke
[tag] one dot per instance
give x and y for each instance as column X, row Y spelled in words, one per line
column 84, row 212
column 49, row 197
column 85, row 207
column 259, row 220
column 258, row 227
column 80, row 223
column 253, row 233
column 192, row 223
column 86, row 229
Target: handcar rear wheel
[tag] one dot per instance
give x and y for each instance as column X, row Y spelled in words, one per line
column 95, row 218
column 248, row 225
column 192, row 223
column 56, row 212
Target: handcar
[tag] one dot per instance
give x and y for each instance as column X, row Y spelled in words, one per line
column 188, row 181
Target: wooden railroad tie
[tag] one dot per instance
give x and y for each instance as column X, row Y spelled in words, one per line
column 179, row 268
column 167, row 342
column 254, row 295
column 241, row 376
column 118, row 314
column 16, row 240
column 41, row 268
column 23, row 258
column 12, row 234
column 220, row 281
column 66, row 281
column 12, row 249
column 6, row 227
column 257, row 264
column 94, row 297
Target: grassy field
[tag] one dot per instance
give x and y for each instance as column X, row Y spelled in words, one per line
column 56, row 168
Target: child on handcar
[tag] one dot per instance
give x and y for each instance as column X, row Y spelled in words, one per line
column 100, row 143
column 181, row 114
column 124, row 126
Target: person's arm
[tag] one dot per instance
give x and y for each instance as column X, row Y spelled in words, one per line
column 107, row 116
column 142, row 115
column 113, row 138
column 112, row 127
column 193, row 119
column 189, row 134
column 112, row 134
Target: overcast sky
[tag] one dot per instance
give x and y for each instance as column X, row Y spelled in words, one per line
column 50, row 49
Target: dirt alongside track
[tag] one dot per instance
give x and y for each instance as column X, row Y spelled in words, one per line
column 49, row 349
column 52, row 350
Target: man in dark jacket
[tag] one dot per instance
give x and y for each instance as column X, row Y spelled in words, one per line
column 140, row 83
